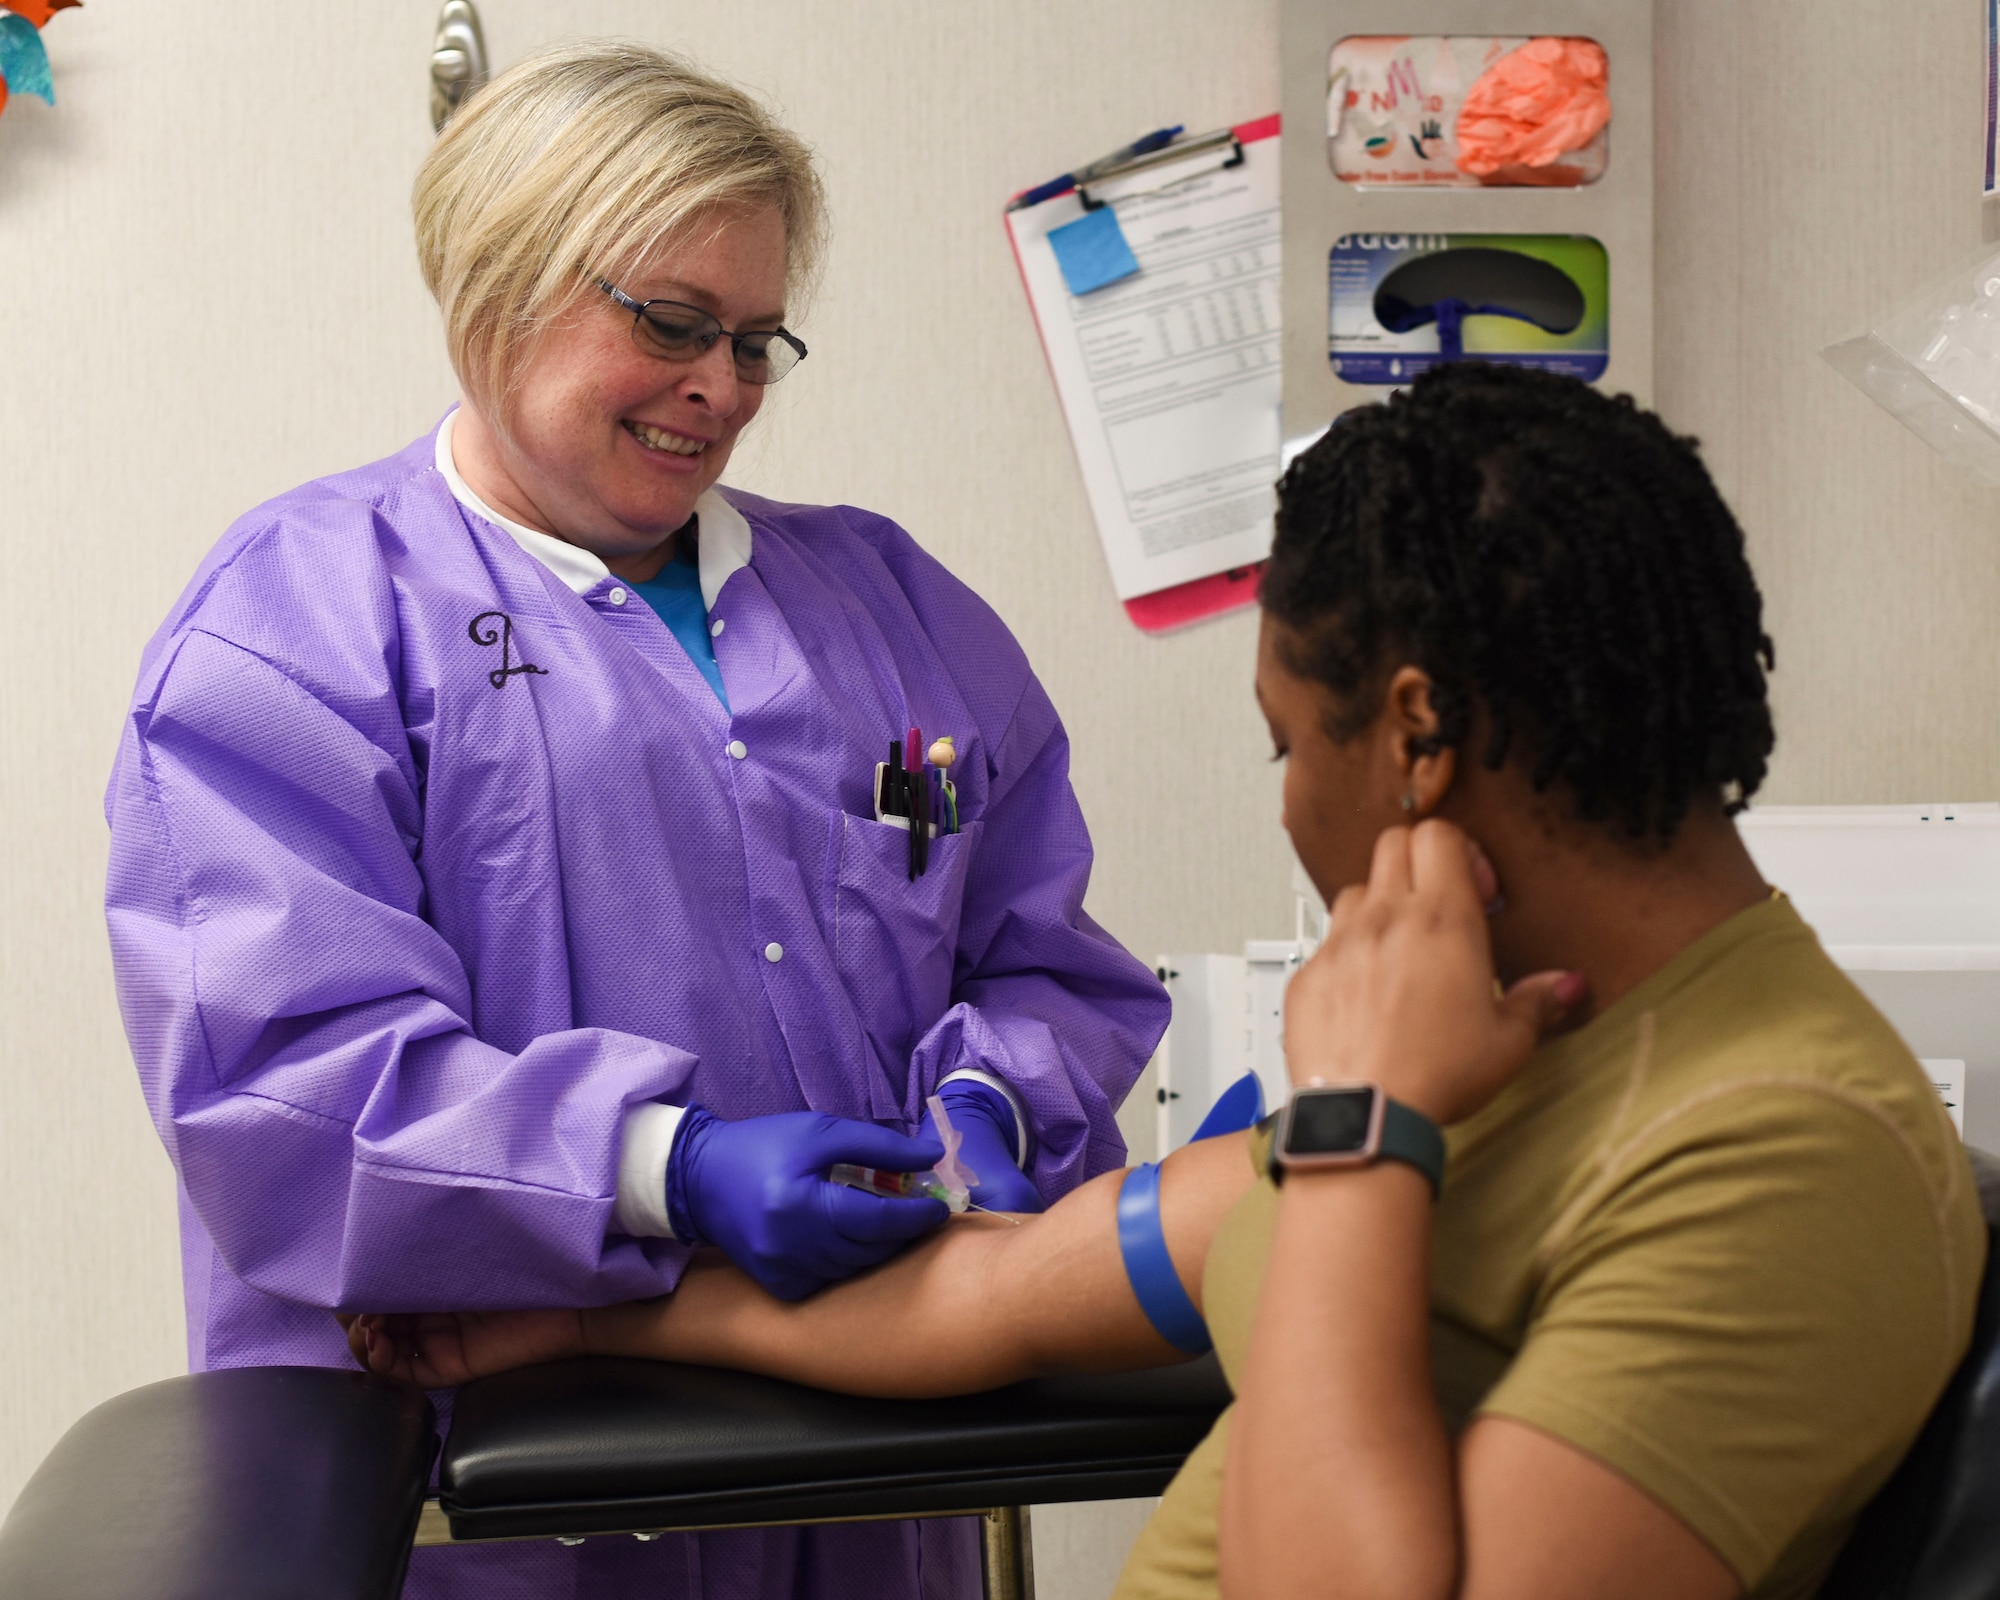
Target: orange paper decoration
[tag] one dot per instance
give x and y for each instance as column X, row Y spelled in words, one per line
column 38, row 12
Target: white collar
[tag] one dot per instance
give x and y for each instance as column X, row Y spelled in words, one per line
column 724, row 545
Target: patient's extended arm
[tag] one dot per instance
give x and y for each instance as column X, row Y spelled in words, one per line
column 983, row 1301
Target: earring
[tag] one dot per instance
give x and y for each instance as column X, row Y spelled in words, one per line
column 1409, row 801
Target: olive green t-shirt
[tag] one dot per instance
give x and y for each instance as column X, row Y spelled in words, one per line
column 1723, row 1239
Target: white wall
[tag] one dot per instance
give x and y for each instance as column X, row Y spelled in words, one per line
column 1817, row 163
column 214, row 300
column 212, row 297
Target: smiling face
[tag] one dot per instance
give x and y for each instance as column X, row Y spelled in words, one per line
column 607, row 446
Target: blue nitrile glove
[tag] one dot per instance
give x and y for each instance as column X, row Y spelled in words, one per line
column 758, row 1189
column 982, row 1114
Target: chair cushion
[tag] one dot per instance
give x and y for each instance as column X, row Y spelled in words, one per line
column 599, row 1445
column 263, row 1483
column 1933, row 1533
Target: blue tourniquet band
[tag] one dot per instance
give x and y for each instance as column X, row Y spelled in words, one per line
column 1151, row 1268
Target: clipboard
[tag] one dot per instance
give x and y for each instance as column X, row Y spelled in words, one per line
column 1170, row 377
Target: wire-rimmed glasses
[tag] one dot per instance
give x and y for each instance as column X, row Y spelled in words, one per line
column 678, row 332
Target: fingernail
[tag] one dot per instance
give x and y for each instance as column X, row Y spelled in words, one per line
column 1484, row 876
column 1570, row 988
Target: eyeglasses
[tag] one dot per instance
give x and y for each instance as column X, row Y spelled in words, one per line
column 677, row 332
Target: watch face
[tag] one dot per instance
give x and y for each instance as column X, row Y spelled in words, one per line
column 1329, row 1121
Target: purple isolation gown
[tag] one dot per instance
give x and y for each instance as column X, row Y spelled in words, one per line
column 403, row 921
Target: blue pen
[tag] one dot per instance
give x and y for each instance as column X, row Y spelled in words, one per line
column 1159, row 139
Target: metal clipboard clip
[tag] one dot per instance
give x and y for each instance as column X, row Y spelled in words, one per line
column 1100, row 184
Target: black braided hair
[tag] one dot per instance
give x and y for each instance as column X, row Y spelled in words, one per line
column 1562, row 567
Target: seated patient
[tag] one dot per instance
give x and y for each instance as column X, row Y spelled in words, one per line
column 1706, row 1248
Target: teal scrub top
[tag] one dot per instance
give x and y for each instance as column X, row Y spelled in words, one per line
column 675, row 596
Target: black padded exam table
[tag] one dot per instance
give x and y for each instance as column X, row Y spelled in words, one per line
column 245, row 1485
column 294, row 1483
column 308, row 1484
column 604, row 1446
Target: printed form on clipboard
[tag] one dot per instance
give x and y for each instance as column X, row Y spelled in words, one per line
column 1153, row 278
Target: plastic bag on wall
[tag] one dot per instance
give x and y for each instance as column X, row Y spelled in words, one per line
column 1934, row 365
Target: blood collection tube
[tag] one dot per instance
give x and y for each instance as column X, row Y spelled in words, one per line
column 895, row 1185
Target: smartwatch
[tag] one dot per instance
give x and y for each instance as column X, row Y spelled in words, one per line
column 1355, row 1125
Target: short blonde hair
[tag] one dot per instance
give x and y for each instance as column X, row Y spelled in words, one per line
column 581, row 162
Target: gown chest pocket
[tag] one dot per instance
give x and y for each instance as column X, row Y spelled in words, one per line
column 895, row 939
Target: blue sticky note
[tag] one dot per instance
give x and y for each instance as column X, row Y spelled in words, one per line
column 23, row 62
column 1092, row 251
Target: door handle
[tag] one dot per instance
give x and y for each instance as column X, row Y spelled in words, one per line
column 458, row 59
